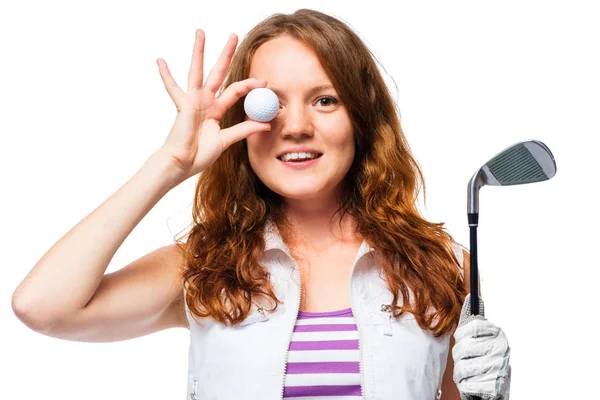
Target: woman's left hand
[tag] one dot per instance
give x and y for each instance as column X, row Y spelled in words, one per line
column 481, row 356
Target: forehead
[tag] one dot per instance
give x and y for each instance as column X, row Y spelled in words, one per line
column 287, row 62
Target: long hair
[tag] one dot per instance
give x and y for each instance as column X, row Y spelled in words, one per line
column 231, row 207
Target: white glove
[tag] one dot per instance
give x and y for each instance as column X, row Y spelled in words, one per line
column 481, row 356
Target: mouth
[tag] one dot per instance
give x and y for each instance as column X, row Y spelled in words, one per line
column 301, row 164
column 299, row 161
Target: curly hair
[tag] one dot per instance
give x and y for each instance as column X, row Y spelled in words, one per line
column 231, row 207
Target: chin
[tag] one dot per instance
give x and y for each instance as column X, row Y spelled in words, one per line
column 297, row 192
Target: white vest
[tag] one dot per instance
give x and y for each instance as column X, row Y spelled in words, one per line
column 398, row 359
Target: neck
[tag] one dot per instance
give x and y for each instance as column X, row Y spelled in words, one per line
column 312, row 226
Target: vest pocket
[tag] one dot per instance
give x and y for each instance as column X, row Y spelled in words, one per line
column 385, row 315
column 386, row 319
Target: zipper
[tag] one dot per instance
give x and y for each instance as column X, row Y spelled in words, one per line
column 259, row 316
column 193, row 394
column 360, row 350
column 287, row 350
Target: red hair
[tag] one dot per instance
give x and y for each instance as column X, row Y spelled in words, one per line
column 232, row 205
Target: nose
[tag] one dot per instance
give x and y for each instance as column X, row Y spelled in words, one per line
column 296, row 120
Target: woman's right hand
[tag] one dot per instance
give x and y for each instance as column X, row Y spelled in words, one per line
column 196, row 139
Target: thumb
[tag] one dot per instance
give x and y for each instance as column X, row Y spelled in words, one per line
column 465, row 313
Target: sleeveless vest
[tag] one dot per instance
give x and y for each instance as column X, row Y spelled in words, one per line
column 398, row 359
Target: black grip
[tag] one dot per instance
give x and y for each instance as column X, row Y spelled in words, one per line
column 473, row 219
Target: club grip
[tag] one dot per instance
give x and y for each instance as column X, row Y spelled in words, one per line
column 473, row 221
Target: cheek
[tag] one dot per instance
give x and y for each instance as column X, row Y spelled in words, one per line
column 348, row 157
column 348, row 149
column 338, row 128
column 341, row 138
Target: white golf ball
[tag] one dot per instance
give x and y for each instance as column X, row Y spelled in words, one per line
column 261, row 104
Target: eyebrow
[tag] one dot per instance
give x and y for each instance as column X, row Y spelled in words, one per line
column 311, row 91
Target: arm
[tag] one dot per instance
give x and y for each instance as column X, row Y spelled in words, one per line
column 64, row 281
column 66, row 293
column 144, row 297
column 449, row 389
column 481, row 355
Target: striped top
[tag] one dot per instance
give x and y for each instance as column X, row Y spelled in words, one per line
column 323, row 357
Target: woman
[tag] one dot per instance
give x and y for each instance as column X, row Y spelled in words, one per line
column 297, row 279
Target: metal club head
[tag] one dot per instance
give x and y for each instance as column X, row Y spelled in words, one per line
column 525, row 162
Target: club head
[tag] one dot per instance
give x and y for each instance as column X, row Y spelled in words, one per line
column 525, row 162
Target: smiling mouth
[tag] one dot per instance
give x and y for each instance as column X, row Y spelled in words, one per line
column 300, row 160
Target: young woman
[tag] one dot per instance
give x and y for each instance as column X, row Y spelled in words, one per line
column 298, row 279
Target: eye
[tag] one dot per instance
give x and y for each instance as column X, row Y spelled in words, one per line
column 331, row 100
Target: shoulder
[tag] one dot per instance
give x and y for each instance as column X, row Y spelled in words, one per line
column 463, row 256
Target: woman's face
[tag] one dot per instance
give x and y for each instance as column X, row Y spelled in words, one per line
column 310, row 115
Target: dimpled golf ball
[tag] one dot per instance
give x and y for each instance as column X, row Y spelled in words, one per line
column 261, row 104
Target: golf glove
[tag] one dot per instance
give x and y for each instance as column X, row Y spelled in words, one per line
column 481, row 357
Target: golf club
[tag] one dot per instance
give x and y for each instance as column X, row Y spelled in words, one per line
column 524, row 162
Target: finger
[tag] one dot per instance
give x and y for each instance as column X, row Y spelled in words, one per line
column 470, row 387
column 217, row 74
column 465, row 369
column 196, row 74
column 479, row 327
column 471, row 349
column 173, row 89
column 241, row 131
column 237, row 90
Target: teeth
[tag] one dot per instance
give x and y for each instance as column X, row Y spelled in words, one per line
column 301, row 155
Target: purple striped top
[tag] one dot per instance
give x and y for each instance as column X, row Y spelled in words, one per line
column 323, row 358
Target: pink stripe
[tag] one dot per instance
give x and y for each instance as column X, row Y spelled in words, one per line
column 338, row 313
column 338, row 367
column 325, row 328
column 300, row 391
column 325, row 345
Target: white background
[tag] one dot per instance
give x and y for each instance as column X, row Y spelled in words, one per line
column 82, row 106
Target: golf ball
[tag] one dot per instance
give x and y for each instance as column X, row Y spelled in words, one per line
column 261, row 104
